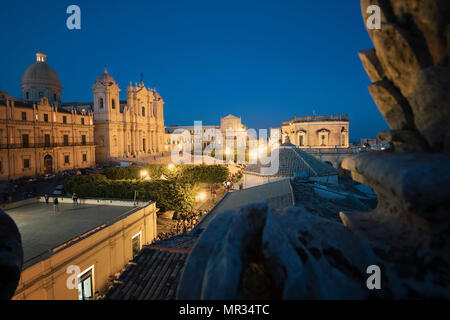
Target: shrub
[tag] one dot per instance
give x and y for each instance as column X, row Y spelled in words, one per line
column 204, row 173
column 168, row 194
column 183, row 173
column 121, row 173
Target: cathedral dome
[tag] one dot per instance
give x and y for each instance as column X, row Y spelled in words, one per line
column 105, row 79
column 40, row 74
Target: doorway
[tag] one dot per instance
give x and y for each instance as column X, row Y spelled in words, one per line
column 48, row 164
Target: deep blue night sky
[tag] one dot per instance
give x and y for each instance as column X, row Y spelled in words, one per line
column 266, row 61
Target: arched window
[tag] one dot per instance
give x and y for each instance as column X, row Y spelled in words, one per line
column 100, row 102
column 113, row 104
column 143, row 111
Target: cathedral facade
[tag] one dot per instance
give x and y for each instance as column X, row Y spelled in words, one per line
column 127, row 129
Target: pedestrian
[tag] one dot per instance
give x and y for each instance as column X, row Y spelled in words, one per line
column 75, row 199
column 46, row 198
column 55, row 204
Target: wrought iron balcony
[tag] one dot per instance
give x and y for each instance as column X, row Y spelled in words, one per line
column 44, row 145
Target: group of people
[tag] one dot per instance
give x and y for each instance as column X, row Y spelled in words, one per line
column 56, row 201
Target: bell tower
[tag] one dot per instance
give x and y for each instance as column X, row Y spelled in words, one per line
column 106, row 98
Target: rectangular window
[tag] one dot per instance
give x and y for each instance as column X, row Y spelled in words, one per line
column 24, row 116
column 64, row 119
column 66, row 160
column 83, row 140
column 25, row 143
column 136, row 243
column 45, row 117
column 26, row 163
column 82, row 120
column 47, row 140
column 66, row 140
column 86, row 284
column 84, row 157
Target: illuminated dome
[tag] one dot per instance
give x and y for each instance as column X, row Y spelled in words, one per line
column 40, row 80
column 105, row 79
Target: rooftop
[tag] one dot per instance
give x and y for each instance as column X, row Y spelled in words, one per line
column 42, row 229
column 155, row 272
column 330, row 117
column 293, row 160
column 278, row 195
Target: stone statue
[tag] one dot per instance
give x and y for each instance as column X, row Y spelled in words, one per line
column 11, row 256
column 257, row 254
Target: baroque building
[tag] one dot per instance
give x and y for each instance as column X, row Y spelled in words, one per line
column 317, row 131
column 40, row 138
column 127, row 129
column 205, row 135
column 37, row 136
column 41, row 135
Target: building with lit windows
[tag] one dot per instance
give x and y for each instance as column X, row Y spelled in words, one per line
column 317, row 131
column 37, row 136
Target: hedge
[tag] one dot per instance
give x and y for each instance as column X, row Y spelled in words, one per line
column 168, row 194
column 185, row 173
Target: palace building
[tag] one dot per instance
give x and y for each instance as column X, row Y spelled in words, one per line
column 205, row 135
column 36, row 135
column 317, row 131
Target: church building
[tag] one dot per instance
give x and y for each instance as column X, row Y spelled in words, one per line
column 127, row 129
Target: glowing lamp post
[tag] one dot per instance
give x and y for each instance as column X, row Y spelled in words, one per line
column 201, row 197
column 144, row 175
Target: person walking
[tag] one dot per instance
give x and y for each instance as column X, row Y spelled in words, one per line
column 75, row 199
column 46, row 198
column 55, row 204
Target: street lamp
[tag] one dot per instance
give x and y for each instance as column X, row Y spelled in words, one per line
column 144, row 174
column 171, row 166
column 201, row 196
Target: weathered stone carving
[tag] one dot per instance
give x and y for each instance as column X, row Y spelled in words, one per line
column 296, row 255
column 413, row 54
column 11, row 256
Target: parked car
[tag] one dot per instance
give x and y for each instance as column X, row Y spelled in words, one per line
column 58, row 193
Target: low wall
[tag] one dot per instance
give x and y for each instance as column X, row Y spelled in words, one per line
column 105, row 249
column 21, row 203
column 100, row 202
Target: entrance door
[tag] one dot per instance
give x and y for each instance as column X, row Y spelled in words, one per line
column 48, row 164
